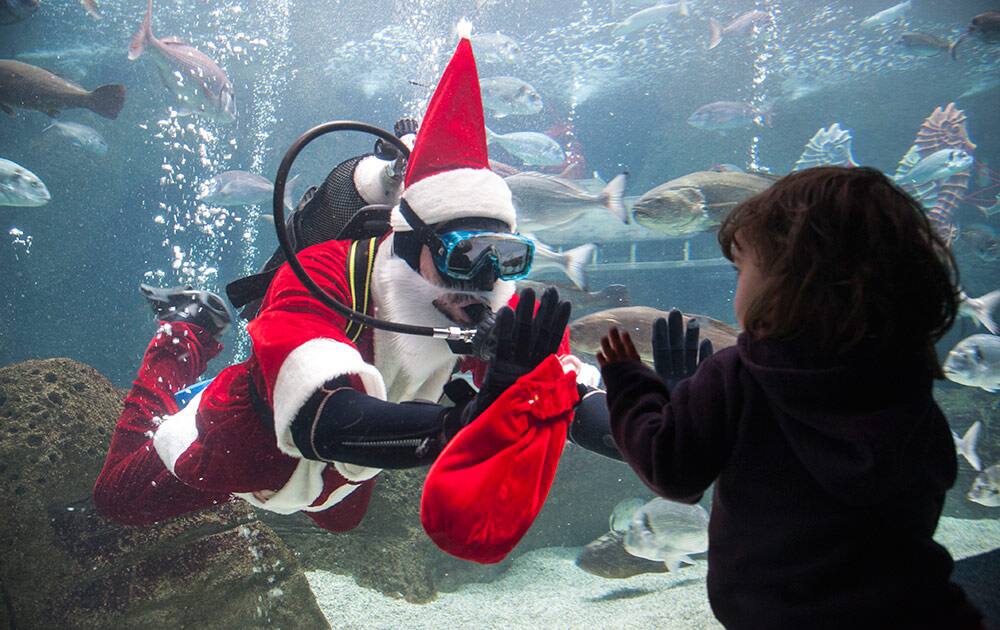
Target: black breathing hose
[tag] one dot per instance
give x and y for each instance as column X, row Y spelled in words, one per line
column 452, row 333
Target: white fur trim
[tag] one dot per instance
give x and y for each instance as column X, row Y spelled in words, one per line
column 458, row 194
column 304, row 371
column 302, row 488
column 373, row 184
column 177, row 433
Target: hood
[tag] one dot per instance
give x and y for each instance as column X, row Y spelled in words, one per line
column 866, row 428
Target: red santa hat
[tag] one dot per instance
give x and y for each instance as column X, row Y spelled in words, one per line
column 448, row 174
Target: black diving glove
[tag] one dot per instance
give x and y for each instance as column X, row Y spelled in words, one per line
column 522, row 340
column 676, row 352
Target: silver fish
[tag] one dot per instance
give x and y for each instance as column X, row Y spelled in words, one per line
column 611, row 296
column 622, row 513
column 506, row 96
column 496, row 48
column 985, row 489
column 939, row 165
column 531, row 147
column 723, row 116
column 668, row 531
column 570, row 262
column 740, row 25
column 981, row 309
column 81, row 135
column 242, row 188
column 13, row 11
column 887, row 16
column 653, row 15
column 545, row 201
column 921, row 44
column 975, row 362
column 21, row 187
column 201, row 86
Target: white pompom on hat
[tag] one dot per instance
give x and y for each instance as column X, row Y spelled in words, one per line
column 448, row 175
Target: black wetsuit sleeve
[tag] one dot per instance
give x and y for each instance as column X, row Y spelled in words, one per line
column 341, row 424
column 591, row 426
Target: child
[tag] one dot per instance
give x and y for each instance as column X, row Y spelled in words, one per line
column 830, row 457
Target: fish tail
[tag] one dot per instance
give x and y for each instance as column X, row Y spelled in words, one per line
column 289, row 195
column 576, row 260
column 981, row 309
column 612, row 197
column 953, row 48
column 716, row 33
column 967, row 445
column 90, row 6
column 107, row 100
column 141, row 38
column 491, row 136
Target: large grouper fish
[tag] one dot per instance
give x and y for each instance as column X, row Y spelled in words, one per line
column 30, row 87
column 696, row 202
column 585, row 333
column 200, row 85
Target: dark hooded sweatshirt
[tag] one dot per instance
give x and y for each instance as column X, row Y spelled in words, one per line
column 829, row 481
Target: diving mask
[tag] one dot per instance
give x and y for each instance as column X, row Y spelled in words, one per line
column 462, row 254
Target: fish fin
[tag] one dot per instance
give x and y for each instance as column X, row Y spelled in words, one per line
column 953, row 47
column 991, row 390
column 980, row 309
column 50, row 126
column 108, row 100
column 691, row 195
column 715, row 34
column 266, row 218
column 289, row 195
column 499, row 114
column 612, row 195
column 491, row 136
column 90, row 6
column 576, row 260
column 7, row 109
column 683, row 10
column 173, row 41
column 141, row 38
column 674, row 562
column 967, row 445
column 990, row 210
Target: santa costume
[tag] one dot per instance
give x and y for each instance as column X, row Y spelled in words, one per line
column 261, row 431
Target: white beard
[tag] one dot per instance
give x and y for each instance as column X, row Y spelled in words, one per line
column 415, row 368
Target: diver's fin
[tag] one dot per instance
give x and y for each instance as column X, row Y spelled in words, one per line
column 611, row 197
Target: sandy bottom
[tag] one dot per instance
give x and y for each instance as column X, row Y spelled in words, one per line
column 545, row 589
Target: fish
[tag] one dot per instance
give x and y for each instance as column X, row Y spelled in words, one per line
column 20, row 187
column 90, row 6
column 496, row 48
column 611, row 296
column 531, row 147
column 887, row 16
column 507, row 96
column 740, row 25
column 697, row 202
column 966, row 445
column 723, row 116
column 200, row 85
column 30, row 87
column 546, row 201
column 652, row 15
column 921, row 44
column 242, row 188
column 80, row 135
column 571, row 262
column 668, row 531
column 586, row 332
column 939, row 165
column 985, row 27
column 975, row 362
column 985, row 489
column 980, row 309
column 606, row 557
column 981, row 240
column 73, row 62
column 13, row 11
column 622, row 513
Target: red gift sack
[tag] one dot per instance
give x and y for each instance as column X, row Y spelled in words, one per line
column 488, row 485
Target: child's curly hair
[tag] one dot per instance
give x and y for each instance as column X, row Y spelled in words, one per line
column 851, row 261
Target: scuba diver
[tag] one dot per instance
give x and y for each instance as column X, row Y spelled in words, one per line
column 323, row 403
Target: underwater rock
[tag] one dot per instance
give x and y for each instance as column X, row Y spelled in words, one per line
column 607, row 558
column 65, row 566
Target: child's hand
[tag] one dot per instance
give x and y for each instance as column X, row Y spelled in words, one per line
column 616, row 347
